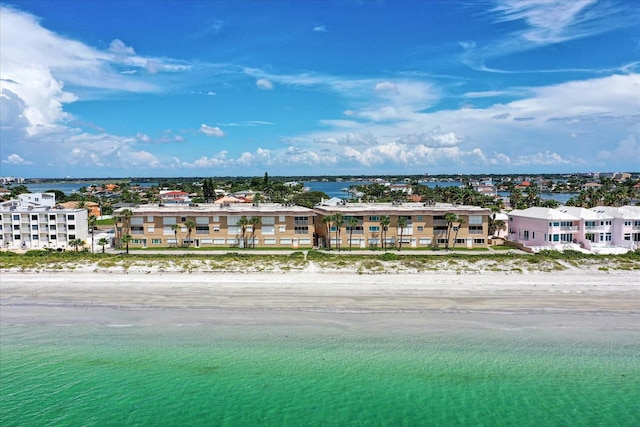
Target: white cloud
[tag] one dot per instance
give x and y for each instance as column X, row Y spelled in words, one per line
column 320, row 28
column 628, row 149
column 15, row 159
column 212, row 131
column 264, row 84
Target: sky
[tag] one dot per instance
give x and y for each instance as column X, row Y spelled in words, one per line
column 240, row 88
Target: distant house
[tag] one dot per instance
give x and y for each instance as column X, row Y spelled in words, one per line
column 174, row 197
column 4, row 192
column 225, row 200
column 545, row 228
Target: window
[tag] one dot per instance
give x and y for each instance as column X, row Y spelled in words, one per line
column 282, row 218
column 216, row 228
column 17, row 217
column 356, row 230
column 301, row 230
column 526, row 235
column 475, row 229
column 71, row 217
column 627, row 236
column 420, row 218
column 424, row 241
column 285, row 241
column 167, row 231
column 268, row 229
column 138, row 229
column 151, row 229
column 137, row 220
column 202, row 220
column 53, row 237
column 420, row 228
column 34, row 237
column 282, row 228
column 478, row 241
column 183, row 219
column 218, row 241
column 149, row 218
column 461, row 241
column 627, row 224
column 269, row 241
column 374, row 228
column 16, row 227
column 156, row 241
column 72, row 236
column 72, row 227
column 374, row 218
column 168, row 220
column 202, row 229
column 35, row 218
column 442, row 241
column 52, row 227
column 301, row 220
column 475, row 219
column 268, row 220
column 233, row 220
column 16, row 237
column 216, row 218
column 34, row 227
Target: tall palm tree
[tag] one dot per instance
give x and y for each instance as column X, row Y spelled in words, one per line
column 352, row 222
column 385, row 221
column 338, row 222
column 189, row 225
column 91, row 222
column 255, row 222
column 327, row 220
column 103, row 241
column 451, row 218
column 402, row 224
column 125, row 239
column 460, row 222
column 175, row 228
column 243, row 223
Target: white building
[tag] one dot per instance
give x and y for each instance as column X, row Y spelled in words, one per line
column 602, row 229
column 33, row 221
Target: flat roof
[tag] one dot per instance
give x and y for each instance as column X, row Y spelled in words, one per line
column 401, row 209
column 261, row 209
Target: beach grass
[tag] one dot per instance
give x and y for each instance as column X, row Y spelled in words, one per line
column 371, row 263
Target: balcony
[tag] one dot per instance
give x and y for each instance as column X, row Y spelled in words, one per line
column 594, row 227
column 301, row 222
column 476, row 231
column 569, row 228
column 440, row 222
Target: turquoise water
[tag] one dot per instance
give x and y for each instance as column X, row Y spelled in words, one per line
column 283, row 375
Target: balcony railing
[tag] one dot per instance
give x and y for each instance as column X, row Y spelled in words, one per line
column 594, row 227
column 440, row 222
column 475, row 231
column 569, row 228
column 301, row 222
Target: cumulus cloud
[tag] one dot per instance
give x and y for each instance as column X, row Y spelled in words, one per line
column 212, row 131
column 433, row 138
column 320, row 28
column 15, row 159
column 628, row 148
column 264, row 84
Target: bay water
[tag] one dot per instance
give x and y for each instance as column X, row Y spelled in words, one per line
column 54, row 374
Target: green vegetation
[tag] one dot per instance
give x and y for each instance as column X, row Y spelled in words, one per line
column 376, row 262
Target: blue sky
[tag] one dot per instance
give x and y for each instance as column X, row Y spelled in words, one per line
column 217, row 88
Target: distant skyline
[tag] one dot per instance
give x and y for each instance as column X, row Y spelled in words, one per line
column 222, row 88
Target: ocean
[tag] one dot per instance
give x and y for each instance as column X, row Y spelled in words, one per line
column 280, row 374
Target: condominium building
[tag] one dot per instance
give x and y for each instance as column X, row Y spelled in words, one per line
column 34, row 221
column 601, row 229
column 217, row 225
column 425, row 225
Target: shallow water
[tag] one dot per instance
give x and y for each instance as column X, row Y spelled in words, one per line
column 289, row 375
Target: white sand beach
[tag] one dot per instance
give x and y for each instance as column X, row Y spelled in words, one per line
column 608, row 299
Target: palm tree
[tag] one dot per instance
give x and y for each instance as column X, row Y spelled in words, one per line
column 327, row 223
column 103, row 241
column 402, row 223
column 189, row 225
column 338, row 222
column 384, row 224
column 125, row 239
column 243, row 223
column 460, row 222
column 175, row 228
column 91, row 222
column 352, row 222
column 255, row 222
column 76, row 243
column 450, row 217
